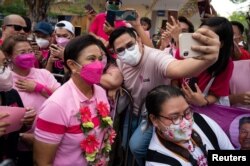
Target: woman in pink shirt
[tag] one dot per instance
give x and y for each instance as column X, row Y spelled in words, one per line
column 75, row 127
column 33, row 85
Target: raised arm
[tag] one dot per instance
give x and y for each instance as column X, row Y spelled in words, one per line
column 193, row 66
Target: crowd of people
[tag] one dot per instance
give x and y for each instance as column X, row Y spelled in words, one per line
column 70, row 87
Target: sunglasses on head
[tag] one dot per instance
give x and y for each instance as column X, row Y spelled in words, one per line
column 114, row 2
column 18, row 27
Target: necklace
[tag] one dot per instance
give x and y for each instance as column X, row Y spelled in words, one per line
column 96, row 153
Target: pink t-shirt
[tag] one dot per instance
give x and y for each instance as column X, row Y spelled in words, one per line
column 42, row 76
column 58, row 123
column 240, row 80
column 97, row 25
column 150, row 73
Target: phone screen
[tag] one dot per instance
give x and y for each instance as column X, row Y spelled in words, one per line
column 186, row 41
column 192, row 82
column 128, row 15
column 204, row 8
column 110, row 18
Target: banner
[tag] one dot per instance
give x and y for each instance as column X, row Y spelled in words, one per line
column 228, row 119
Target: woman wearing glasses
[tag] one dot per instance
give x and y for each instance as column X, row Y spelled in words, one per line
column 179, row 137
column 33, row 85
column 9, row 97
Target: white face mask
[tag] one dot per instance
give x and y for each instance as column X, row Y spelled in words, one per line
column 42, row 43
column 131, row 57
column 180, row 132
column 6, row 80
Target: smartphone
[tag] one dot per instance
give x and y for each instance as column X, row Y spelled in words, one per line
column 54, row 46
column 14, row 118
column 204, row 8
column 192, row 82
column 185, row 42
column 110, row 18
column 128, row 15
column 88, row 7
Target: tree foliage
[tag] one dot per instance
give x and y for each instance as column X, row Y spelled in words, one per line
column 240, row 17
column 38, row 9
column 17, row 7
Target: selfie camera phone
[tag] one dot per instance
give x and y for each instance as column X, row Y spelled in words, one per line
column 204, row 8
column 128, row 15
column 192, row 82
column 186, row 41
column 110, row 18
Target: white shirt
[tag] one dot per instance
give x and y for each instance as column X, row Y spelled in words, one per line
column 223, row 141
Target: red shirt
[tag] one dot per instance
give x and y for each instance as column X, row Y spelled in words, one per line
column 220, row 85
column 97, row 25
column 1, row 42
column 244, row 54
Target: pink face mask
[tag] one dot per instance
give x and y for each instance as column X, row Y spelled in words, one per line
column 62, row 41
column 25, row 61
column 91, row 73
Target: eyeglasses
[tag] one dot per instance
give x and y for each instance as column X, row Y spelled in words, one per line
column 129, row 46
column 114, row 2
column 4, row 66
column 188, row 114
column 18, row 27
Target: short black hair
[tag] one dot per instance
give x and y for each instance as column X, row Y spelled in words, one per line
column 223, row 28
column 186, row 21
column 147, row 21
column 157, row 96
column 239, row 25
column 244, row 120
column 120, row 31
column 76, row 45
column 28, row 22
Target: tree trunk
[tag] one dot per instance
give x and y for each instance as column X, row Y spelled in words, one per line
column 37, row 9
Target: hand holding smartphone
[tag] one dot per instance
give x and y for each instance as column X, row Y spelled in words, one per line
column 204, row 8
column 186, row 41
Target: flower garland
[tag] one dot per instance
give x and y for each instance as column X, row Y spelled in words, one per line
column 89, row 146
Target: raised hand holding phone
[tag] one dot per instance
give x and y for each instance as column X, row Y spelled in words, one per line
column 56, row 51
column 107, row 28
column 186, row 41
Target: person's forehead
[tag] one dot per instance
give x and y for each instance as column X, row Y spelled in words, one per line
column 123, row 40
column 184, row 25
column 22, row 46
column 236, row 29
column 246, row 126
column 62, row 31
column 174, row 105
column 17, row 21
